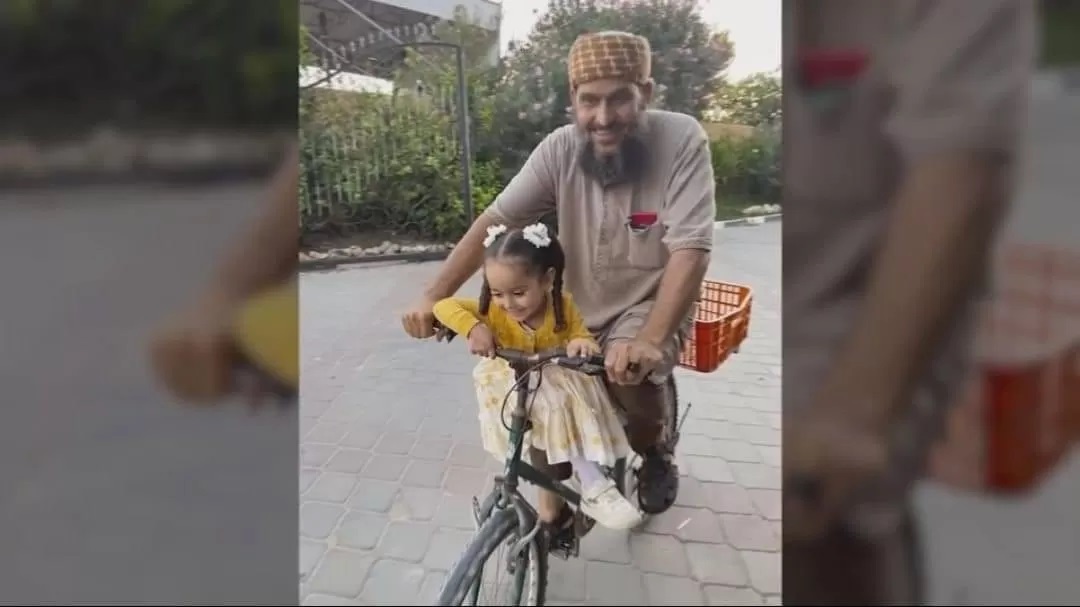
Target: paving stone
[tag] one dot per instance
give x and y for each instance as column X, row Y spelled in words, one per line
column 385, row 467
column 326, row 432
column 376, row 496
column 315, row 456
column 328, row 600
column 341, row 573
column 424, row 473
column 659, row 554
column 360, row 436
column 361, row 530
column 391, row 582
column 716, row 564
column 764, row 570
column 310, row 553
column 446, row 547
column 317, row 520
column 691, row 524
column 420, row 503
column 749, row 532
column 728, row 497
column 331, row 487
column 571, row 582
column 350, row 461
column 756, row 476
column 608, row 545
column 768, row 502
column 612, row 584
column 669, row 590
column 395, row 443
column 406, row 541
column 736, row 450
column 431, row 448
column 709, row 469
column 732, row 596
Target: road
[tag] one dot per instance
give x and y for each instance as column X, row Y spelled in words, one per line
column 109, row 491
column 390, row 456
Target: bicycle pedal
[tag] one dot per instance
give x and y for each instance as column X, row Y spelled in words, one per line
column 565, row 549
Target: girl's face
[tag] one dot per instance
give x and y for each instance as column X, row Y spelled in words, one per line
column 514, row 289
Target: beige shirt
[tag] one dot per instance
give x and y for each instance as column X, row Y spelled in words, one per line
column 942, row 75
column 609, row 267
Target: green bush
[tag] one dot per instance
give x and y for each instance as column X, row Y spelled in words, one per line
column 747, row 169
column 160, row 64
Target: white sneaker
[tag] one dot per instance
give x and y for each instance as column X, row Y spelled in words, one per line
column 604, row 504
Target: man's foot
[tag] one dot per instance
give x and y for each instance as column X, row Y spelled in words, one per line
column 603, row 503
column 560, row 536
column 658, row 481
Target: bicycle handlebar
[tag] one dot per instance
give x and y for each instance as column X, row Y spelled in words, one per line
column 589, row 365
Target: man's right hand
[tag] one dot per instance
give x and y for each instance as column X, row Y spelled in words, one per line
column 419, row 321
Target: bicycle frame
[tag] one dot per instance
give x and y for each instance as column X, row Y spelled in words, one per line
column 516, row 469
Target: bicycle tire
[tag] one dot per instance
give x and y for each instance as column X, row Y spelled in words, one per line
column 467, row 571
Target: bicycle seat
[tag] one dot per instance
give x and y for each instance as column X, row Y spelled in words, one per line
column 266, row 331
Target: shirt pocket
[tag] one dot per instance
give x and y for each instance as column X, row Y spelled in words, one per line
column 645, row 248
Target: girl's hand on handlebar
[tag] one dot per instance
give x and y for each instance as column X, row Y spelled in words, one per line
column 582, row 348
column 482, row 341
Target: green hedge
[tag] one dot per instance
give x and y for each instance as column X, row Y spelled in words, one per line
column 160, row 63
column 382, row 163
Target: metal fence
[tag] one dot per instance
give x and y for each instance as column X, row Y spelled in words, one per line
column 385, row 140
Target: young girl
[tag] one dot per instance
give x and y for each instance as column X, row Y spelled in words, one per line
column 573, row 419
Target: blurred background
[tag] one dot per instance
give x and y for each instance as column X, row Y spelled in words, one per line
column 1021, row 545
column 133, row 144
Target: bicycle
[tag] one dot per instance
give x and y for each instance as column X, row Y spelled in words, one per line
column 505, row 517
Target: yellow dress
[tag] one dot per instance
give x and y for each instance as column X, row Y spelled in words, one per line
column 571, row 413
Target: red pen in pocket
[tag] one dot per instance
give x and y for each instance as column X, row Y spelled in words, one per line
column 642, row 219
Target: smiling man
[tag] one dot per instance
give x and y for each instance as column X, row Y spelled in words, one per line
column 634, row 193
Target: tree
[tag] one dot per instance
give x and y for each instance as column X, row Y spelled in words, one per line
column 753, row 101
column 688, row 62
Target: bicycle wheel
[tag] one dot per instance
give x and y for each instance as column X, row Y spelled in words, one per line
column 468, row 581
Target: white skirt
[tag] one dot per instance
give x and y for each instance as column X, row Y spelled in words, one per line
column 571, row 413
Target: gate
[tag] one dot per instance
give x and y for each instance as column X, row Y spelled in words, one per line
column 385, row 140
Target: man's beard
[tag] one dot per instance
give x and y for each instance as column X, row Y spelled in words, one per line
column 627, row 164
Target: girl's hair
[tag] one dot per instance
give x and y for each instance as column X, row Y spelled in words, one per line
column 514, row 245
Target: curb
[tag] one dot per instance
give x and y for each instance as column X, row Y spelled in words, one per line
column 110, row 156
column 317, row 265
column 748, row 221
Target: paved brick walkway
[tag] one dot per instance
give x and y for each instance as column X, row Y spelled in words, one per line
column 391, row 458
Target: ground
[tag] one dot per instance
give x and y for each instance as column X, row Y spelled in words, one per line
column 391, row 460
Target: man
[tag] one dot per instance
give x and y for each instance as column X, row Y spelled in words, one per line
column 634, row 275
column 902, row 123
column 193, row 354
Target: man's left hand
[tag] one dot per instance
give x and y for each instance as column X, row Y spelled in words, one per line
column 832, row 449
column 630, row 361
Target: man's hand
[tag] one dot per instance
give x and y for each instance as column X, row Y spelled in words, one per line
column 419, row 321
column 582, row 347
column 629, row 361
column 194, row 355
column 828, row 457
column 481, row 341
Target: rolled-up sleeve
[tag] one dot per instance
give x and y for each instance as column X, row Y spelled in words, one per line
column 531, row 193
column 960, row 71
column 690, row 212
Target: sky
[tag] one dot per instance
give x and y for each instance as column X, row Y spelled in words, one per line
column 754, row 27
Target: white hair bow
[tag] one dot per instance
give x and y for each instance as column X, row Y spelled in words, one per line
column 537, row 234
column 493, row 232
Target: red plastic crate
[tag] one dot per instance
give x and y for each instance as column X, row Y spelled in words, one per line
column 721, row 324
column 1021, row 413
